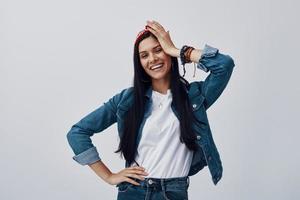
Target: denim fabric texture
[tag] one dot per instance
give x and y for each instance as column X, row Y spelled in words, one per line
column 155, row 189
column 202, row 94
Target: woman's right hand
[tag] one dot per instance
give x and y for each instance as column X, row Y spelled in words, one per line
column 134, row 172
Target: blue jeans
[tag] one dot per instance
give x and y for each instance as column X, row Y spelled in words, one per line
column 155, row 189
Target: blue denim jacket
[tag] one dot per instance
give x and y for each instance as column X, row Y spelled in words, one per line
column 202, row 94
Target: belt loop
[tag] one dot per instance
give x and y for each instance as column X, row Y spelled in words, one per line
column 188, row 180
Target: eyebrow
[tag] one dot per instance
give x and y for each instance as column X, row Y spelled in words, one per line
column 152, row 48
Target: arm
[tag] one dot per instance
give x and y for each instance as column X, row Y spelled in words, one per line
column 220, row 67
column 124, row 175
column 79, row 137
column 195, row 55
column 101, row 170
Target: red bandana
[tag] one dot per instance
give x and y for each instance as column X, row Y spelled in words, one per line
column 141, row 33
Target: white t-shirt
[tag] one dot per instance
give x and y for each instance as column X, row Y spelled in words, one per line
column 160, row 151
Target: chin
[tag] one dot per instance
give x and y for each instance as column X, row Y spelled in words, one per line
column 158, row 77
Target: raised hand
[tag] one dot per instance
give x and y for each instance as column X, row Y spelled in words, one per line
column 163, row 37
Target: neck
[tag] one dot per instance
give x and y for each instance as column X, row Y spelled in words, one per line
column 161, row 85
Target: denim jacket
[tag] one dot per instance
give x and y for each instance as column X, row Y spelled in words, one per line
column 202, row 94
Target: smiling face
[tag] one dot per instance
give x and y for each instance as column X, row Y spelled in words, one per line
column 156, row 63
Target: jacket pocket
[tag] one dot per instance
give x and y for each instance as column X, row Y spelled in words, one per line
column 197, row 102
column 199, row 111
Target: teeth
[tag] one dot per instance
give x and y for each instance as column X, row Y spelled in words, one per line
column 156, row 66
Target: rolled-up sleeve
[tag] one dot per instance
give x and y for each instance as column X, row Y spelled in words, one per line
column 208, row 51
column 87, row 157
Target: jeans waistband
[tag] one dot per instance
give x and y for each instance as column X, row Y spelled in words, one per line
column 161, row 182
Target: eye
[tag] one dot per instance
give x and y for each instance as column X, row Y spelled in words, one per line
column 144, row 56
column 158, row 50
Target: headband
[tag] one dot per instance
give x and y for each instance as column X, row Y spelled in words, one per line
column 141, row 33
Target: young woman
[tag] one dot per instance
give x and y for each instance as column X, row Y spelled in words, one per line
column 162, row 122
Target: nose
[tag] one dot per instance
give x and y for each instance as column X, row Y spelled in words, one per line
column 152, row 58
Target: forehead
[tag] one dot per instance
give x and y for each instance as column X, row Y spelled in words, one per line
column 148, row 44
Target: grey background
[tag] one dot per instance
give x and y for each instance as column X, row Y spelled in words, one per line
column 62, row 59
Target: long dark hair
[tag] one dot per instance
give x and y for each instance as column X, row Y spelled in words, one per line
column 134, row 116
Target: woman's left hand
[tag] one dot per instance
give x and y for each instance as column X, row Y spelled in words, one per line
column 163, row 37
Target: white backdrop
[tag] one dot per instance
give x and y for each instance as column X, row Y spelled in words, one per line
column 59, row 60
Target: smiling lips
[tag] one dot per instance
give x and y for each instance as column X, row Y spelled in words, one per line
column 156, row 66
